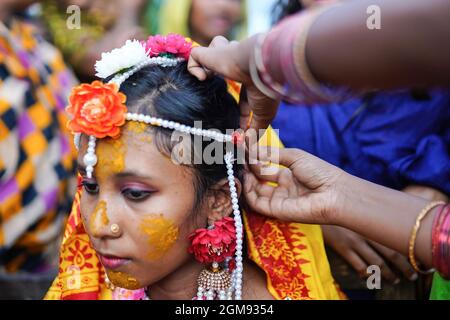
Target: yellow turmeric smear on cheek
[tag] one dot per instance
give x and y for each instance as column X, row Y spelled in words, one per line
column 99, row 218
column 123, row 280
column 161, row 235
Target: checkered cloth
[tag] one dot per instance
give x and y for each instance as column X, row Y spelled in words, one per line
column 36, row 151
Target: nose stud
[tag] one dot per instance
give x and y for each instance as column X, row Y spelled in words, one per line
column 115, row 229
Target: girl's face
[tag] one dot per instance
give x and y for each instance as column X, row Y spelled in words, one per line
column 210, row 18
column 149, row 197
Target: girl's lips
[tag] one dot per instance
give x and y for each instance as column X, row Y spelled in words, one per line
column 112, row 262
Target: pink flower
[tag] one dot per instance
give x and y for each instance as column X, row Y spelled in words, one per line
column 173, row 44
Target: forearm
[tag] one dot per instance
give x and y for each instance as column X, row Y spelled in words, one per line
column 386, row 216
column 411, row 48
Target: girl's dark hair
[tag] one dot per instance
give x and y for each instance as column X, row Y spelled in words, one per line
column 284, row 8
column 173, row 94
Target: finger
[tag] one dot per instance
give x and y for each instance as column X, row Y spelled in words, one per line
column 200, row 59
column 398, row 260
column 258, row 122
column 266, row 172
column 264, row 163
column 246, row 117
column 261, row 188
column 355, row 261
column 251, row 141
column 245, row 110
column 256, row 202
column 264, row 108
column 373, row 258
column 219, row 41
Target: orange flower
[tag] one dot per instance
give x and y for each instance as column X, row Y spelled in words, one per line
column 97, row 109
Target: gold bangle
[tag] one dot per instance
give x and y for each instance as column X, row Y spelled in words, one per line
column 412, row 239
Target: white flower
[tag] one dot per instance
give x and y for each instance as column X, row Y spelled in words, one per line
column 131, row 54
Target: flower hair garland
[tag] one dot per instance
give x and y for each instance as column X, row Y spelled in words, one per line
column 98, row 110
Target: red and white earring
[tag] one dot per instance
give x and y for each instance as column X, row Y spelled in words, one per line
column 220, row 247
column 212, row 246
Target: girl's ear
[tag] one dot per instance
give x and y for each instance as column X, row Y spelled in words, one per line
column 219, row 200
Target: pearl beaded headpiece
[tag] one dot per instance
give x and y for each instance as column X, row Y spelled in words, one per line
column 124, row 62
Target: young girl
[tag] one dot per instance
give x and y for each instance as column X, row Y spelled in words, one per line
column 146, row 223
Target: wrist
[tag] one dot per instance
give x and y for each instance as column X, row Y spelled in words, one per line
column 344, row 197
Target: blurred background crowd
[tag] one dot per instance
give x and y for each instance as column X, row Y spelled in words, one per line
column 41, row 58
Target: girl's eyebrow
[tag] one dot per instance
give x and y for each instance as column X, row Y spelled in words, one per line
column 126, row 174
column 131, row 173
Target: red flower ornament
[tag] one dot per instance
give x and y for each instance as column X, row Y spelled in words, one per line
column 172, row 44
column 216, row 244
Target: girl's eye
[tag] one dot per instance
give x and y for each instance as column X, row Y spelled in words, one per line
column 135, row 194
column 90, row 187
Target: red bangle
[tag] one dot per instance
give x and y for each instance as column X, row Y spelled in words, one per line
column 441, row 242
column 283, row 50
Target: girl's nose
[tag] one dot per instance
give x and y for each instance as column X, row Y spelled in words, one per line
column 100, row 224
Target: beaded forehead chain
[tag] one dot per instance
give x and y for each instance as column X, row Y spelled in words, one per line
column 98, row 110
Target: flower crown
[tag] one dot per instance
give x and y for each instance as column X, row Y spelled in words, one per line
column 98, row 109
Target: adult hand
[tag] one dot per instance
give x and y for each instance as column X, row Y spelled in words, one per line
column 361, row 253
column 303, row 189
column 231, row 60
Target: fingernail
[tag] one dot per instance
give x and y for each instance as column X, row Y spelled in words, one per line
column 414, row 277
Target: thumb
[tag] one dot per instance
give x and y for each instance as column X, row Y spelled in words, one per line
column 200, row 60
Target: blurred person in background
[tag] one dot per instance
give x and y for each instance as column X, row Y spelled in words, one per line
column 36, row 155
column 201, row 20
column 105, row 24
column 369, row 137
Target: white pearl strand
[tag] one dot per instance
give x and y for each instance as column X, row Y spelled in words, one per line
column 90, row 159
column 237, row 274
column 215, row 135
column 160, row 61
